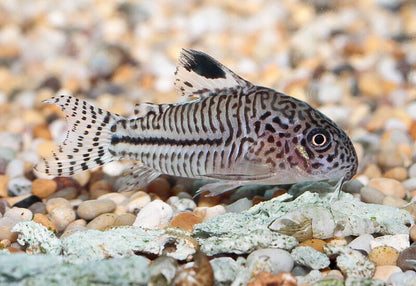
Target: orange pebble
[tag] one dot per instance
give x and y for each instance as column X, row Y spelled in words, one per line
column 185, row 221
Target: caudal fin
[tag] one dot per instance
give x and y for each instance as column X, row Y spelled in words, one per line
column 88, row 139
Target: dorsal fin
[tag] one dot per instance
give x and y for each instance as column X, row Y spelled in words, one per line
column 197, row 75
column 143, row 109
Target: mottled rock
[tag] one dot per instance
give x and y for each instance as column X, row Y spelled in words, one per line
column 398, row 241
column 181, row 204
column 225, row 269
column 307, row 256
column 19, row 186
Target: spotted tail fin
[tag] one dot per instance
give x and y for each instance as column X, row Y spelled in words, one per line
column 88, row 139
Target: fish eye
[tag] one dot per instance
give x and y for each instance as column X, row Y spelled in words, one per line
column 319, row 138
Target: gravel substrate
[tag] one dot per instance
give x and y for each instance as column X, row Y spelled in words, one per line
column 353, row 60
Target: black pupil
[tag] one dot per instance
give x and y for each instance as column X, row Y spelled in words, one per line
column 319, row 139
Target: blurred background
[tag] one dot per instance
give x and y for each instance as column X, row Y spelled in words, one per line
column 354, row 60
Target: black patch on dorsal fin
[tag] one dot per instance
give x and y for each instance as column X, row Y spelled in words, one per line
column 202, row 64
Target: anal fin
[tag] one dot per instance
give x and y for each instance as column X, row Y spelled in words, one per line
column 136, row 177
column 218, row 188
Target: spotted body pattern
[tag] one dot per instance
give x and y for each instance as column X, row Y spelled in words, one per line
column 235, row 132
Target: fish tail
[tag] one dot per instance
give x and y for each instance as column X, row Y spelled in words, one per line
column 88, row 141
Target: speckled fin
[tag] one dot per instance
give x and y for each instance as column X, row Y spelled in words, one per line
column 87, row 142
column 136, row 177
column 199, row 75
column 143, row 109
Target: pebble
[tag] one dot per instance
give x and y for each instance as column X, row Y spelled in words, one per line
column 412, row 169
column 397, row 241
column 124, row 219
column 82, row 178
column 383, row 272
column 181, row 204
column 45, row 221
column 93, row 208
column 102, row 221
column 394, row 202
column 265, row 278
column 15, row 168
column 159, row 187
column 4, row 181
column 117, row 198
column 27, row 202
column 362, row 242
column 18, row 214
column 61, row 217
column 19, row 186
column 406, row 258
column 371, row 195
column 137, row 201
column 335, row 274
column 402, row 278
column 383, row 255
column 308, row 256
column 410, row 184
column 69, row 193
column 271, row 260
column 206, row 213
column 239, row 206
column 57, row 203
column 389, row 187
column 397, row 173
column 154, row 215
column 352, row 186
column 412, row 232
column 185, row 221
column 315, row 243
column 43, row 188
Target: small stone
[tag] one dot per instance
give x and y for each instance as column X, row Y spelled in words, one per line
column 372, row 195
column 138, row 201
column 77, row 222
column 159, row 187
column 362, row 242
column 12, row 200
column 19, row 186
column 124, row 219
column 18, row 214
column 389, row 187
column 412, row 168
column 27, row 202
column 402, row 278
column 352, row 186
column 181, row 204
column 45, row 221
column 239, row 206
column 82, row 178
column 163, row 270
column 42, row 131
column 4, row 181
column 372, row 171
column 271, row 260
column 45, row 148
column 101, row 185
column 6, row 225
column 315, row 243
column 61, row 217
column 102, row 221
column 308, row 256
column 154, row 215
column 66, row 182
column 410, row 184
column 412, row 233
column 265, row 278
column 71, row 230
column 57, row 203
column 397, row 173
column 406, row 258
column 15, row 168
column 185, row 221
column 383, row 255
column 93, row 208
column 394, row 202
column 43, row 187
column 206, row 213
column 96, row 193
column 383, row 272
column 69, row 193
column 397, row 241
column 341, row 241
column 335, row 274
column 117, row 198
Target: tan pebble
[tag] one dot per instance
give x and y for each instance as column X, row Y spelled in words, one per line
column 69, row 193
column 102, row 221
column 206, row 213
column 185, row 221
column 159, row 187
column 14, row 250
column 315, row 243
column 394, row 202
column 5, row 243
column 124, row 219
column 42, row 131
column 101, row 185
column 82, row 178
column 77, row 222
column 412, row 130
column 389, row 187
column 18, row 214
column 93, row 208
column 57, row 203
column 96, row 193
column 6, row 233
column 61, row 217
column 412, row 233
column 45, row 221
column 337, row 241
column 266, row 278
column 117, row 198
column 71, row 230
column 45, row 148
column 384, row 255
column 4, row 180
column 335, row 274
column 397, row 173
column 120, row 210
column 205, row 200
column 372, row 171
column 138, row 201
column 383, row 272
column 43, row 187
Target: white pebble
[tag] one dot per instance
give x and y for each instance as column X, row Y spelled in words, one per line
column 207, row 213
column 239, row 206
column 15, row 168
column 19, row 214
column 61, row 217
column 156, row 214
column 362, row 242
column 398, row 241
column 138, row 201
column 270, row 260
column 57, row 203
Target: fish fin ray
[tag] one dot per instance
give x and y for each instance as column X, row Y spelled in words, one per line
column 143, row 109
column 87, row 140
column 218, row 188
column 136, row 177
column 199, row 75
